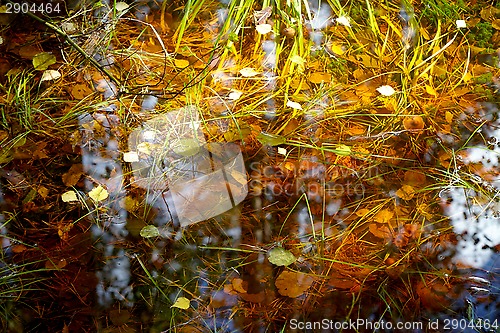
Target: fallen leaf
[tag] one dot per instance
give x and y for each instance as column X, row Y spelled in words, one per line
column 386, row 90
column 72, row 176
column 80, row 91
column 281, row 257
column 130, row 157
column 43, row 60
column 293, row 284
column 149, row 231
column 430, row 90
column 98, row 193
column 270, row 139
column 248, row 72
column 296, row 59
column 344, row 20
column 181, row 63
column 69, row 196
column 293, row 105
column 406, row 192
column 181, row 303
column 49, row 75
column 320, row 77
column 383, row 216
column 234, row 95
column 380, row 231
column 413, row 123
column 263, row 28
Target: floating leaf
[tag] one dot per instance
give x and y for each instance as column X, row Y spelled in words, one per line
column 43, row 60
column 406, row 192
column 281, row 257
column 50, row 75
column 121, row 6
column 69, row 196
column 181, row 303
column 248, row 72
column 98, row 193
column 149, row 231
column 386, row 90
column 270, row 139
column 263, row 28
column 130, row 157
column 293, row 105
column 293, row 284
column 181, row 63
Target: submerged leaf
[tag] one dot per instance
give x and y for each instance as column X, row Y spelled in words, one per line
column 281, row 257
column 293, row 284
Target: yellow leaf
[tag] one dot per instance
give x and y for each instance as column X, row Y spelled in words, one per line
column 362, row 212
column 384, row 216
column 448, row 116
column 320, row 77
column 181, row 303
column 69, row 196
column 181, row 63
column 430, row 90
column 296, row 59
column 336, row 48
column 98, row 193
column 406, row 192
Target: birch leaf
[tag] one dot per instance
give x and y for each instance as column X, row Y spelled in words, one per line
column 98, row 193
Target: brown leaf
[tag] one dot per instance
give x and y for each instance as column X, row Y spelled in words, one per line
column 414, row 123
column 293, row 284
column 73, row 175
